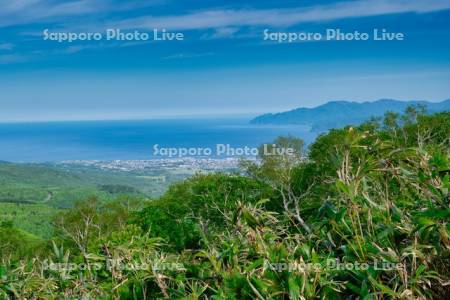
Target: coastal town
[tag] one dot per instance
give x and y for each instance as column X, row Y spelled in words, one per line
column 186, row 163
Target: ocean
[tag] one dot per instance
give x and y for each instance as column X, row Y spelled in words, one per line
column 131, row 140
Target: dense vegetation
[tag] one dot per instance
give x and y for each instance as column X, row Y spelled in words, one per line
column 30, row 193
column 60, row 185
column 363, row 213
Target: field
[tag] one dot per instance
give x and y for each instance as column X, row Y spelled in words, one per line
column 32, row 194
column 33, row 218
column 59, row 185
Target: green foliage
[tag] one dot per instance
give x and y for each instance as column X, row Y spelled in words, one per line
column 32, row 218
column 364, row 214
column 16, row 243
column 205, row 198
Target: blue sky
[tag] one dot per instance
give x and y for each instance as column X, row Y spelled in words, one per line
column 223, row 66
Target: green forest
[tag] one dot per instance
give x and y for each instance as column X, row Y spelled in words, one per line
column 361, row 213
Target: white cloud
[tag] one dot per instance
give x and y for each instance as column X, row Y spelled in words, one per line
column 222, row 32
column 12, row 59
column 188, row 55
column 30, row 11
column 8, row 7
column 284, row 17
column 6, row 46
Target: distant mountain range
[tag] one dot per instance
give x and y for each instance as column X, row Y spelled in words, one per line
column 337, row 114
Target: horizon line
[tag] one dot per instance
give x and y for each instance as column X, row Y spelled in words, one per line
column 227, row 115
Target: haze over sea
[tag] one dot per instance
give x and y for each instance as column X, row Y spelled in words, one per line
column 130, row 140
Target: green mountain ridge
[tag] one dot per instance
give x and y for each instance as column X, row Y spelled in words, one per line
column 336, row 114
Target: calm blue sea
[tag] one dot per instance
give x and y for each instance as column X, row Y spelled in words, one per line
column 111, row 140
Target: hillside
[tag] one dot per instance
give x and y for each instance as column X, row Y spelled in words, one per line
column 365, row 216
column 32, row 193
column 336, row 114
column 59, row 185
